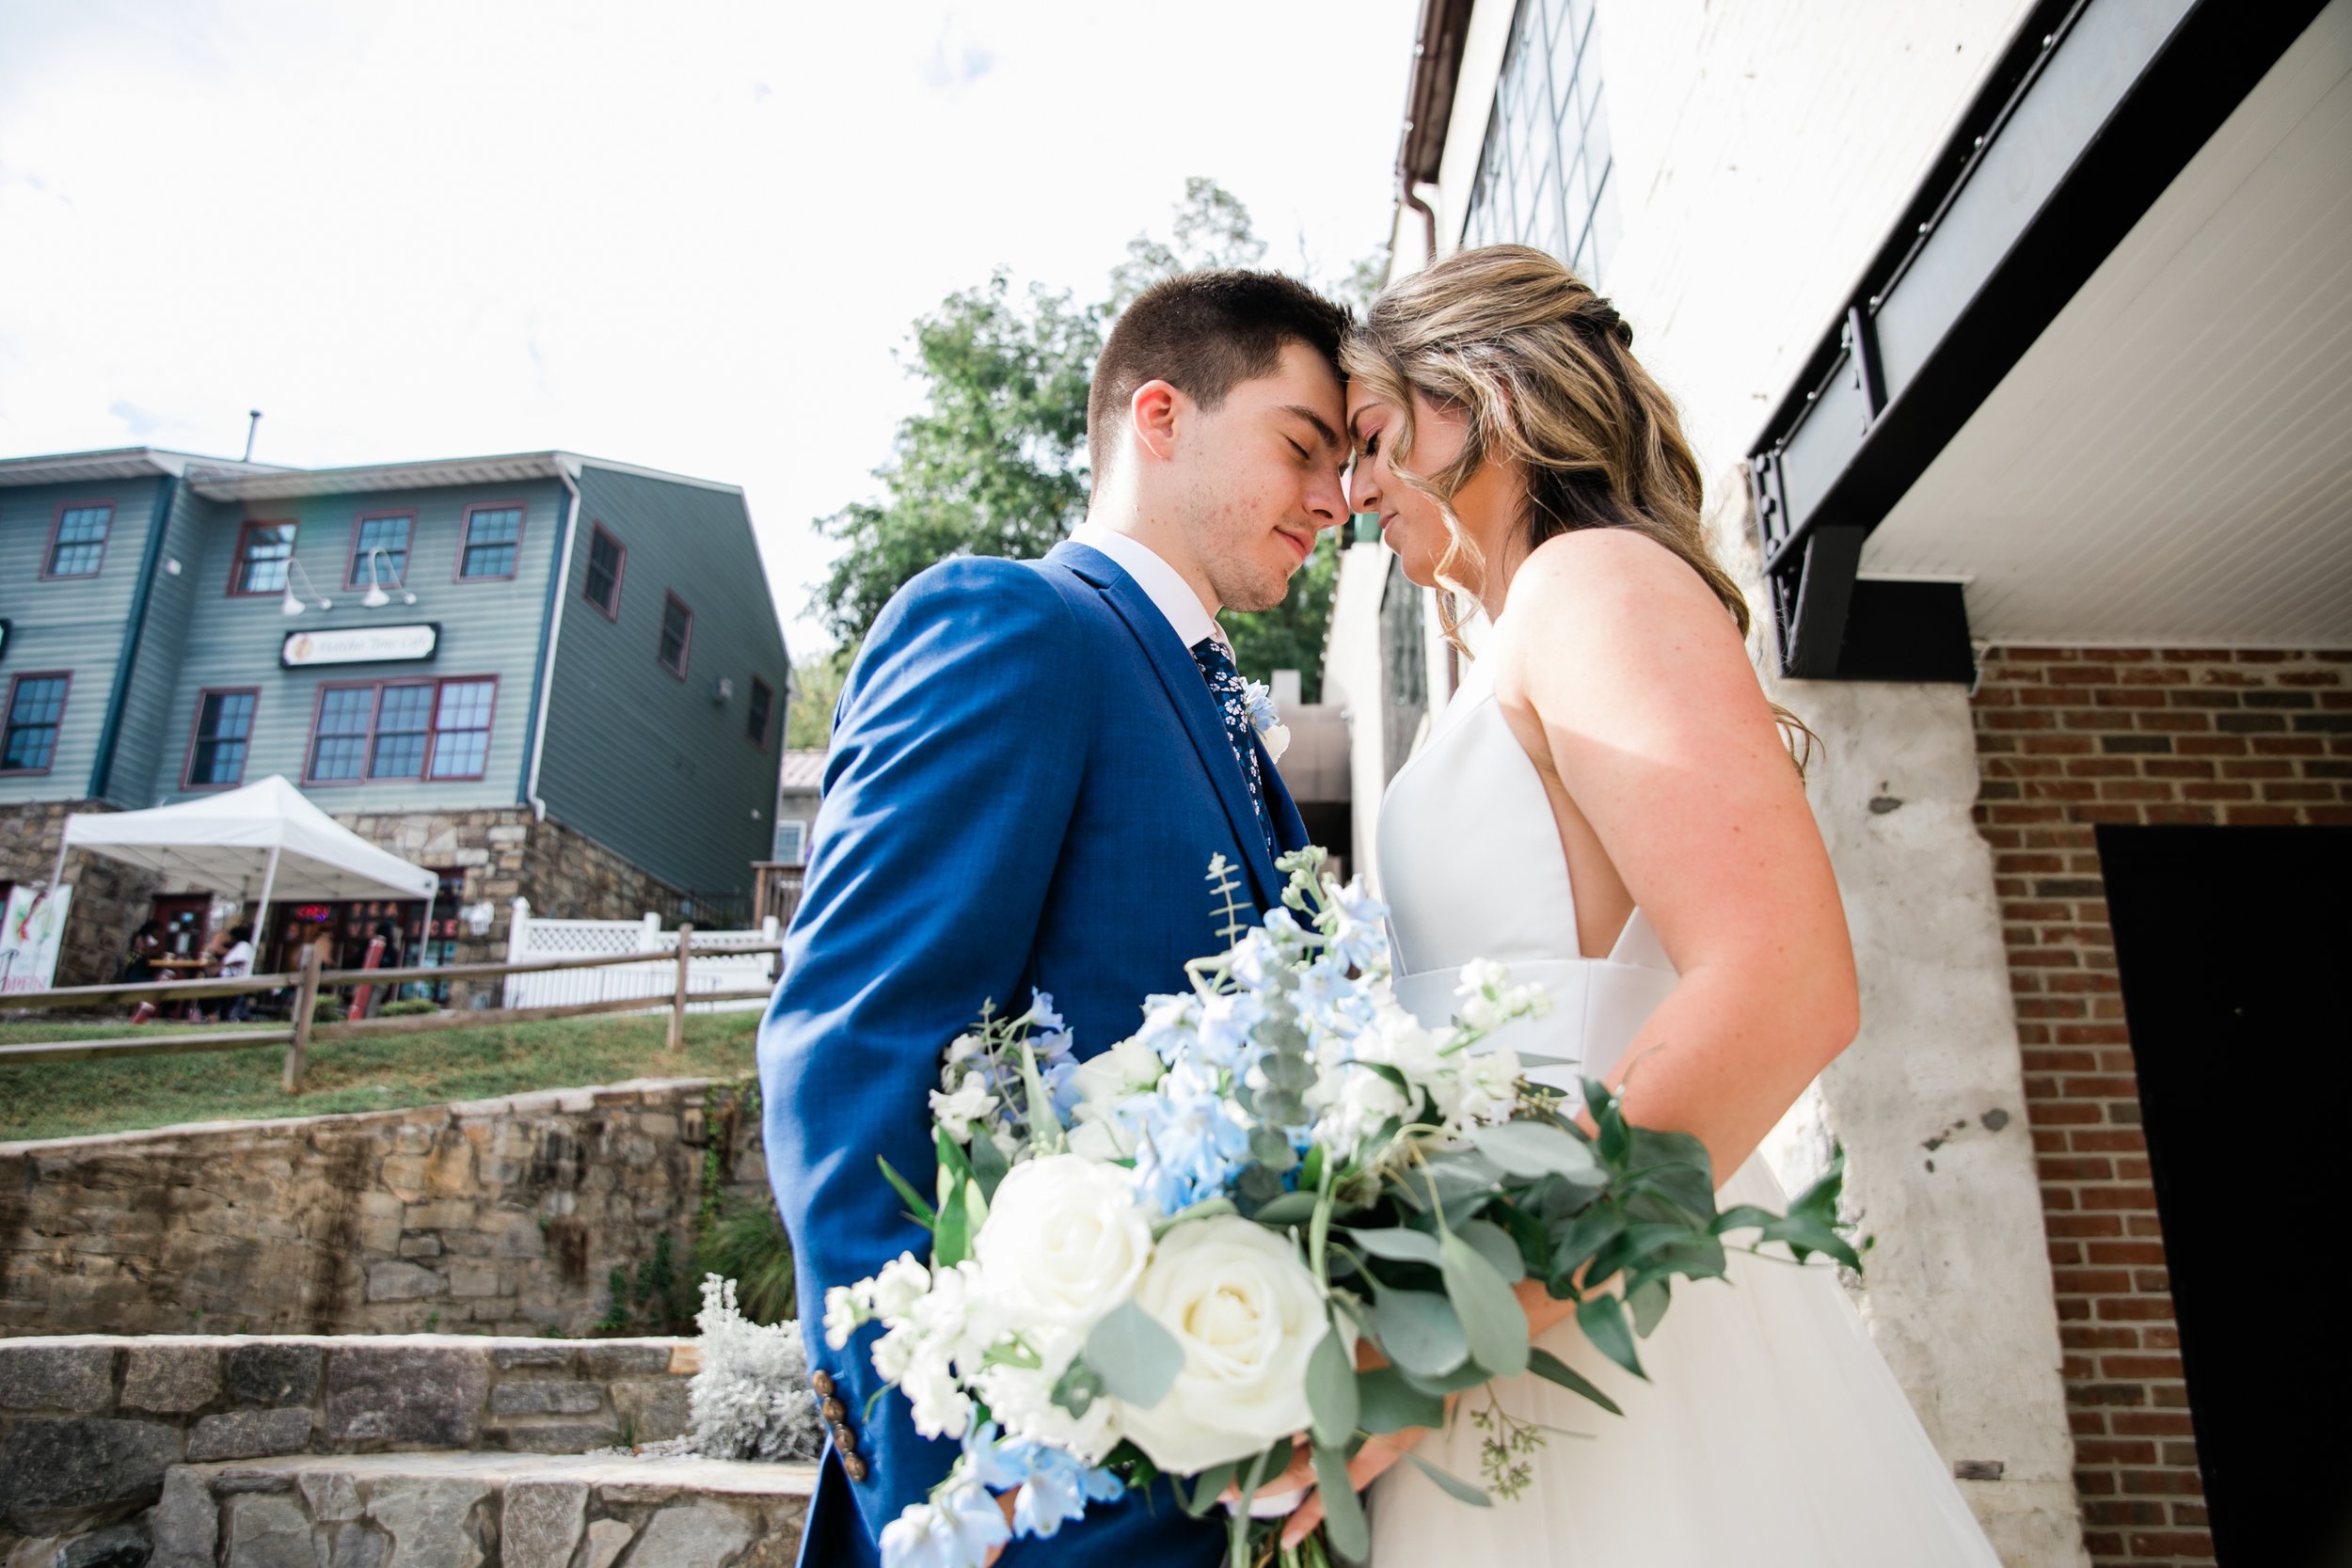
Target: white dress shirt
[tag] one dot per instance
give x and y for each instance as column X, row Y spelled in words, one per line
column 1161, row 583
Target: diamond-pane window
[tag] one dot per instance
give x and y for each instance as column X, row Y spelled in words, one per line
column 1548, row 112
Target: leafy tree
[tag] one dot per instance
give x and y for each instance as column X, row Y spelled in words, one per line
column 815, row 687
column 996, row 462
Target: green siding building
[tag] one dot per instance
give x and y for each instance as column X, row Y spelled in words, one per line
column 542, row 675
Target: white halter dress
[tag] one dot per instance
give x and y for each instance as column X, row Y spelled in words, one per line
column 1773, row 1434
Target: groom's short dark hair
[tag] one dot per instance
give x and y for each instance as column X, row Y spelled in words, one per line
column 1204, row 333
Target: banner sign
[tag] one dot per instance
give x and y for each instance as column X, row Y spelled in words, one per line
column 35, row 925
column 358, row 645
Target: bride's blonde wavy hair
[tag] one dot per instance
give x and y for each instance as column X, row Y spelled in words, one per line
column 1543, row 370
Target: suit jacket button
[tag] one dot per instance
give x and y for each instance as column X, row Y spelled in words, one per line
column 822, row 1383
column 844, row 1439
column 854, row 1466
column 834, row 1410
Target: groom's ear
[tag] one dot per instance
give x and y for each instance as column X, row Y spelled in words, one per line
column 1155, row 413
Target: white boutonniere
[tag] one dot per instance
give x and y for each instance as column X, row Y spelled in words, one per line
column 1266, row 720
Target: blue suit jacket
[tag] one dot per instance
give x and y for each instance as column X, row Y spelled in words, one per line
column 1027, row 778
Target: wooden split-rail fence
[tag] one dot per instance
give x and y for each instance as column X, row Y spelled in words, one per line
column 301, row 1031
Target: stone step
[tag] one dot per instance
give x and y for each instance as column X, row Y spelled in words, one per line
column 476, row 1511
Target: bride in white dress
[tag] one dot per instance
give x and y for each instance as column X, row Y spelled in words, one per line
column 1610, row 807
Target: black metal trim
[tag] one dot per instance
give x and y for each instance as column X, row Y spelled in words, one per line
column 2195, row 78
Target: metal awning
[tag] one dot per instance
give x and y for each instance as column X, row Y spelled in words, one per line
column 2087, row 117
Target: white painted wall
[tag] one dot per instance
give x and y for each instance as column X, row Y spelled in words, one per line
column 1762, row 150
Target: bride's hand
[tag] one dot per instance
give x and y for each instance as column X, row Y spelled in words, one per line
column 1380, row 1453
column 1004, row 1500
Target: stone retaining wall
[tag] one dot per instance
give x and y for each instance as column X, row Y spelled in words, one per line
column 474, row 1510
column 90, row 1425
column 503, row 1216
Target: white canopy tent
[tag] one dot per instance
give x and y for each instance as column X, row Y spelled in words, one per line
column 263, row 841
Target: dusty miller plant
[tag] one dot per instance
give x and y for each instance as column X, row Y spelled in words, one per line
column 751, row 1399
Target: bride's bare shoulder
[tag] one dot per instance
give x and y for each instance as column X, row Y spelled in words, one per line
column 1607, row 585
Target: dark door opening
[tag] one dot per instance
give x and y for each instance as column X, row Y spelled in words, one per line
column 2232, row 946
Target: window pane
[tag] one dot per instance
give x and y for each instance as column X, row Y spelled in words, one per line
column 222, row 725
column 81, row 541
column 389, row 535
column 401, row 722
column 262, row 561
column 341, row 741
column 676, row 622
column 755, row 720
column 461, row 729
column 604, row 573
column 491, row 538
column 31, row 740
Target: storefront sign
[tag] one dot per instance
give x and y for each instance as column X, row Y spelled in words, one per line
column 35, row 924
column 358, row 645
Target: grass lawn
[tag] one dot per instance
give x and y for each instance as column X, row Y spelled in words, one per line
column 61, row 1100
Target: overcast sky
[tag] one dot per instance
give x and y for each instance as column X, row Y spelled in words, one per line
column 684, row 235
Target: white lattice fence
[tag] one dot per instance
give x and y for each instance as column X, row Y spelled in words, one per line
column 532, row 939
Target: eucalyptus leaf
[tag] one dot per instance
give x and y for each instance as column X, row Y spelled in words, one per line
column 1533, row 1148
column 1492, row 1319
column 1342, row 1510
column 1387, row 1401
column 1470, row 1374
column 1398, row 1245
column 1290, row 1209
column 1331, row 1399
column 1136, row 1358
column 1420, row 1331
column 1452, row 1485
column 1602, row 1319
column 1496, row 1247
column 1208, row 1208
column 1206, row 1487
column 1551, row 1369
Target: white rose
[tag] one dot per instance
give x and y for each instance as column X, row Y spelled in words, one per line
column 957, row 1112
column 1128, row 1067
column 1063, row 1242
column 1277, row 741
column 1248, row 1315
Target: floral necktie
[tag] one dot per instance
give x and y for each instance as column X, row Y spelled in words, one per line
column 1225, row 685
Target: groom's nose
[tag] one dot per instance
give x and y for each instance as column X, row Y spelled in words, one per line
column 1326, row 497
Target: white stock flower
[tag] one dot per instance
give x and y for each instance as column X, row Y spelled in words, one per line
column 895, row 1291
column 1063, row 1244
column 957, row 1112
column 1129, row 1067
column 1248, row 1315
column 1022, row 1398
column 942, row 1408
column 845, row 1308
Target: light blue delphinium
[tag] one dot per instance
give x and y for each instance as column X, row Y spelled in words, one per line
column 1358, row 935
column 1055, row 1487
column 1193, row 1139
column 1226, row 1022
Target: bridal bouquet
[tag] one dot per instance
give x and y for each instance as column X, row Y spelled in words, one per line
column 1169, row 1259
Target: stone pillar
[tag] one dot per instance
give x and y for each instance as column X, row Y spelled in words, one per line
column 1930, row 1102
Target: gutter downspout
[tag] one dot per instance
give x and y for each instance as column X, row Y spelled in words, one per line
column 1409, row 197
column 550, row 627
column 110, row 732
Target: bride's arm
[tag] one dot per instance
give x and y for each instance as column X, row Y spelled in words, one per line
column 1653, row 719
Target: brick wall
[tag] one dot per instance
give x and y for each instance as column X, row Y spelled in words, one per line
column 2069, row 739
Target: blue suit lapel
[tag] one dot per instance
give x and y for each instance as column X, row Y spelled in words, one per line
column 1180, row 677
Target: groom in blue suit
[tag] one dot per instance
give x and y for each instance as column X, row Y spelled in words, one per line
column 1032, row 763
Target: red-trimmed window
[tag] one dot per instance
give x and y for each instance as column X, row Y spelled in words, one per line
column 677, row 634
column 387, row 531
column 607, row 557
column 461, row 729
column 28, row 740
column 78, row 541
column 761, row 709
column 437, row 730
column 224, row 733
column 262, row 551
column 493, row 540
